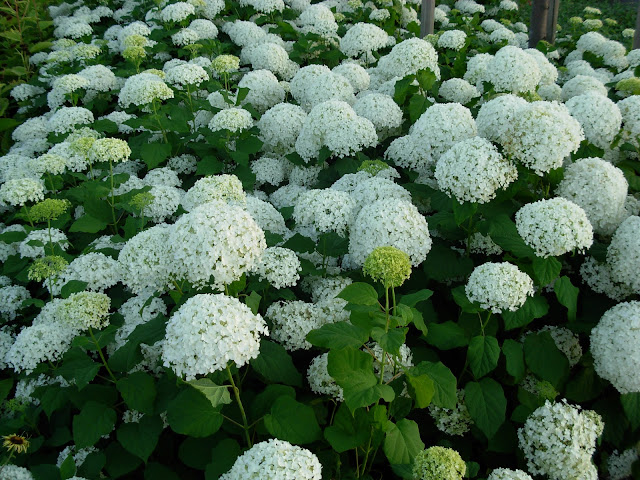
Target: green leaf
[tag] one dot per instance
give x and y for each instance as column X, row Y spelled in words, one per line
column 359, row 293
column 338, row 335
column 463, row 211
column 142, row 437
column 253, row 302
column 191, row 413
column 546, row 270
column 631, row 406
column 224, row 455
column 447, row 335
column 443, row 264
column 153, row 154
column 402, row 442
column 352, row 369
column 348, row 431
column 292, row 421
column 5, row 387
column 129, row 355
column 216, row 394
column 300, row 244
column 544, row 359
column 120, row 461
column 209, row 165
column 52, row 398
column 503, row 231
column 487, row 405
column 426, row 79
column 332, row 245
column 138, row 390
column 275, row 364
column 412, row 299
column 157, row 470
column 567, row 295
column 418, row 104
column 88, row 224
column 584, row 386
column 534, row 307
column 7, row 123
column 68, row 468
column 460, row 297
column 196, row 452
column 444, row 382
column 94, row 421
column 72, row 286
column 390, row 341
column 78, row 366
column 515, row 360
column 483, row 355
column 421, row 388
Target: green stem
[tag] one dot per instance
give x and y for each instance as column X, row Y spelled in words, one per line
column 236, row 393
column 26, row 211
column 483, row 325
column 386, row 329
column 113, row 199
column 155, row 111
column 104, row 361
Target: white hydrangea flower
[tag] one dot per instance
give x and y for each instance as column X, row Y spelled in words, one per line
column 389, row 222
column 99, row 271
column 600, row 279
column 558, row 440
column 382, row 111
column 14, row 472
column 274, row 460
column 336, row 125
column 499, row 286
column 599, row 117
column 144, row 260
column 224, row 188
column 264, row 6
column 280, row 127
column 513, row 70
column 11, row 298
column 38, row 242
column 495, row 116
column 452, row 422
column 408, row 152
column 599, row 188
column 623, row 254
column 407, row 57
column 581, row 84
column 554, row 227
column 264, row 89
column 320, row 381
column 177, row 12
column 20, row 191
column 508, row 474
column 279, row 266
column 457, row 90
column 207, row 332
column 619, row 465
column 269, row 56
column 205, row 29
column 452, row 39
column 291, row 322
column 186, row 74
column 443, row 125
column 25, row 91
column 324, row 211
column 266, row 216
column 85, row 310
column 358, row 77
column 473, row 171
column 363, row 39
column 215, row 240
column 287, row 195
column 477, row 68
column 136, row 311
column 370, row 190
column 243, row 33
column 272, row 171
column 541, row 135
column 233, row 119
column 318, row 19
column 469, row 7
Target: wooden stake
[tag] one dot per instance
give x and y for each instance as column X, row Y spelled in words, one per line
column 427, row 17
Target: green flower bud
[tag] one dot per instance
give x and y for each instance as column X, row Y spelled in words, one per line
column 438, row 463
column 388, row 265
column 46, row 267
column 49, row 209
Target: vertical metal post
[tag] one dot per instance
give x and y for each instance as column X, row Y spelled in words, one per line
column 636, row 37
column 427, row 17
column 552, row 20
column 539, row 16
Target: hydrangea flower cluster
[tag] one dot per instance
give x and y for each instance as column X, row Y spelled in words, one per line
column 499, row 286
column 439, row 463
column 207, row 332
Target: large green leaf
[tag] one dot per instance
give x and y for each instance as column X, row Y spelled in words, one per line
column 292, row 421
column 567, row 295
column 275, row 364
column 78, row 366
column 503, row 231
column 546, row 270
column 94, row 421
column 631, row 406
column 487, row 405
column 446, row 335
column 88, row 224
column 444, row 382
column 338, row 335
column 534, row 307
column 402, row 442
column 348, row 431
column 191, row 413
column 359, row 293
column 153, row 154
column 216, row 394
column 515, row 360
column 352, row 369
column 412, row 299
column 138, row 391
column 140, row 438
column 421, row 388
column 483, row 354
column 544, row 359
column 129, row 355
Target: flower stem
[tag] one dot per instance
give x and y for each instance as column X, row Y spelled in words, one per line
column 236, row 393
column 104, row 361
